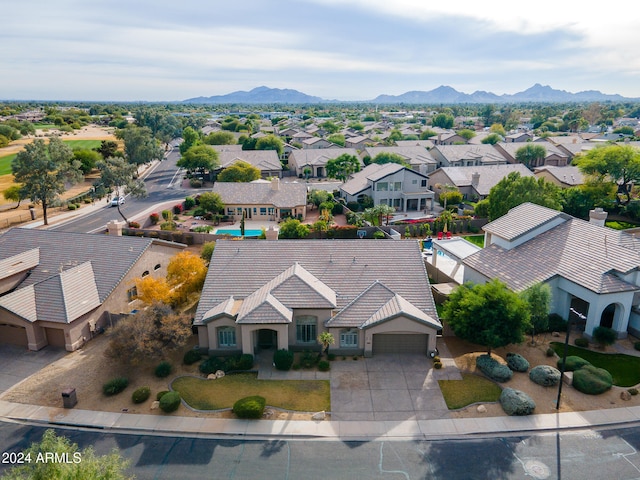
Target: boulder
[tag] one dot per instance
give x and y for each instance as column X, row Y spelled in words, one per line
column 155, row 405
column 219, row 374
column 555, row 334
column 516, row 402
column 269, row 412
column 624, row 395
column 481, row 409
column 211, row 376
column 319, row 416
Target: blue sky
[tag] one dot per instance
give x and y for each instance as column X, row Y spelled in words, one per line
column 127, row 50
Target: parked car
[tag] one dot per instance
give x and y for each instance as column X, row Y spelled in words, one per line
column 117, row 201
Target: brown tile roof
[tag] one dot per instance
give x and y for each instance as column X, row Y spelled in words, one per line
column 289, row 194
column 521, row 220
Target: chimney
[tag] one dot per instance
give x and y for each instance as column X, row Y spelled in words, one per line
column 271, row 233
column 597, row 216
column 114, row 228
column 475, row 179
column 275, row 184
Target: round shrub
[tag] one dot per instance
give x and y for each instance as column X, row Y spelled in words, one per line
column 515, row 402
column 604, row 335
column 592, row 380
column 573, row 363
column 250, row 407
column 437, row 365
column 283, row 359
column 189, row 203
column 493, row 369
column 517, row 362
column 244, row 362
column 191, row 356
column 170, row 401
column 545, row 375
column 324, row 366
column 581, row 342
column 163, row 369
column 114, row 386
column 557, row 323
column 141, row 394
column 633, row 391
column 160, row 394
column 331, row 357
column 550, row 352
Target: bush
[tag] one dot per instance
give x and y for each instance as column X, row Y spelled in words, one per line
column 134, row 225
column 545, row 375
column 515, row 402
column 308, row 359
column 517, row 362
column 557, row 323
column 250, row 407
column 141, row 394
column 189, row 203
column 154, row 218
column 244, row 362
column 581, row 342
column 324, row 366
column 592, row 380
column 163, row 369
column 160, row 394
column 633, row 391
column 283, row 359
column 636, row 345
column 493, row 369
column 573, row 363
column 191, row 356
column 170, row 402
column 71, row 206
column 195, row 183
column 437, row 365
column 378, row 235
column 114, row 386
column 227, row 364
column 331, row 357
column 550, row 352
column 604, row 335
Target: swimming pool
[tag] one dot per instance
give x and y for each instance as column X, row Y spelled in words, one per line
column 236, row 232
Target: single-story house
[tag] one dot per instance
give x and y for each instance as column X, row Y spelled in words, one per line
column 554, row 155
column 316, row 160
column 261, row 200
column 374, row 297
column 316, row 143
column 467, row 155
column 389, row 184
column 417, row 157
column 358, row 142
column 563, row 177
column 592, row 269
column 266, row 161
column 59, row 288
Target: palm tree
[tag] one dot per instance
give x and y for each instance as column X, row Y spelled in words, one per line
column 326, row 339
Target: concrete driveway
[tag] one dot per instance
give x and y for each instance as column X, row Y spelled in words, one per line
column 19, row 363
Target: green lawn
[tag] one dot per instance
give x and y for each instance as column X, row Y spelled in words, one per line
column 625, row 369
column 298, row 395
column 471, row 389
column 83, row 143
column 5, row 164
column 475, row 239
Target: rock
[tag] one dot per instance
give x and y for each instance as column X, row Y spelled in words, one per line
column 219, row 374
column 568, row 378
column 211, row 376
column 624, row 395
column 269, row 413
column 155, row 405
column 481, row 409
column 555, row 334
column 319, row 416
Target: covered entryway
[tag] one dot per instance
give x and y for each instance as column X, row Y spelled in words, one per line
column 55, row 337
column 267, row 339
column 401, row 343
column 13, row 335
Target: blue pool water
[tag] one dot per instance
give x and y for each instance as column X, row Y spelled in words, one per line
column 236, row 232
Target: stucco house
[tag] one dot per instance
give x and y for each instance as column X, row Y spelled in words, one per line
column 467, row 155
column 374, row 297
column 389, row 184
column 316, row 143
column 554, row 156
column 316, row 160
column 59, row 288
column 590, row 268
column 417, row 157
column 262, row 200
column 266, row 161
column 563, row 177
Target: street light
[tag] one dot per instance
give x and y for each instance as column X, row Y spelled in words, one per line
column 564, row 356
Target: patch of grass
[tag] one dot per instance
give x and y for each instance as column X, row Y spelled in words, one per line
column 298, row 395
column 89, row 144
column 625, row 369
column 475, row 239
column 471, row 389
column 5, row 164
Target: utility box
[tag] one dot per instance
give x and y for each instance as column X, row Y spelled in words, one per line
column 69, row 399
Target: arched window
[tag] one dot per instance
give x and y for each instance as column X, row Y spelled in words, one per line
column 157, row 267
column 145, row 273
column 226, row 337
column 306, row 328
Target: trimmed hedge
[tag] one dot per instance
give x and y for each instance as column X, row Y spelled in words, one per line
column 324, row 366
column 191, row 356
column 516, row 402
column 227, row 364
column 517, row 362
column 573, row 363
column 592, row 380
column 141, row 394
column 250, row 407
column 545, row 375
column 581, row 342
column 493, row 369
column 115, row 386
column 170, row 401
column 163, row 369
column 160, row 394
column 283, row 359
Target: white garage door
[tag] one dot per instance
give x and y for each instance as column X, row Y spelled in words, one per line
column 13, row 335
column 400, row 343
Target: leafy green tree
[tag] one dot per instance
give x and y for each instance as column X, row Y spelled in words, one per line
column 619, row 164
column 491, row 139
column 270, row 142
column 207, row 251
column 44, row 170
column 443, row 120
column 4, row 141
column 394, row 136
column 240, row 171
column 375, row 215
column 81, row 465
column 388, row 157
column 337, row 138
column 330, row 127
column 211, row 202
column 343, row 166
column 292, row 228
column 13, row 194
column 498, row 129
column 487, row 314
column 624, row 130
column 107, row 148
column 326, row 339
column 427, row 134
column 88, row 159
column 140, row 146
column 190, row 138
column 119, row 177
column 200, row 158
column 481, row 210
column 531, row 155
column 450, row 197
column 220, row 138
column 538, row 297
column 318, row 197
column 514, row 190
column 466, row 133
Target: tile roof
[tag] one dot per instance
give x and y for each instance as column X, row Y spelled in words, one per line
column 521, row 220
column 569, row 175
column 289, row 194
column 359, row 181
column 481, row 153
column 413, row 155
column 320, row 157
column 265, row 160
column 19, row 263
column 490, row 175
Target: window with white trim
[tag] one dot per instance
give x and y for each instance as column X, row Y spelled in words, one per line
column 349, row 338
column 226, row 337
column 382, row 186
column 132, row 294
column 306, row 329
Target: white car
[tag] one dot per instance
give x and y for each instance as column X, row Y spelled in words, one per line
column 117, row 201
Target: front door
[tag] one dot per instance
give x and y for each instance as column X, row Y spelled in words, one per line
column 267, row 339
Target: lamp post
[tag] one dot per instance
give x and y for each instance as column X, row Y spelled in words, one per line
column 564, row 356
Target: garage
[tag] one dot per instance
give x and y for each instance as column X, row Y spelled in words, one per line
column 14, row 335
column 400, row 343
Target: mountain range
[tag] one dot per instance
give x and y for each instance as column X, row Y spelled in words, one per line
column 441, row 95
